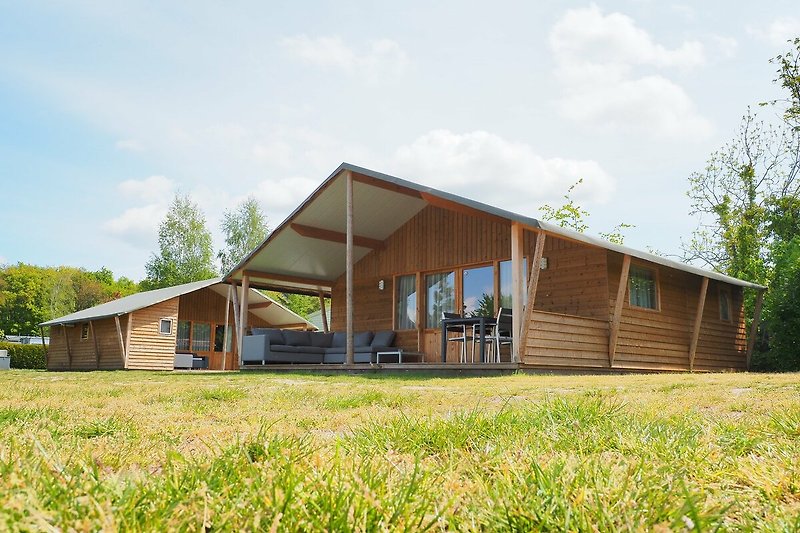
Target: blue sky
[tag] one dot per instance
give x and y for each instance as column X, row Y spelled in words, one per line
column 108, row 108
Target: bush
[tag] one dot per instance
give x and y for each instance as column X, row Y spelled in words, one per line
column 26, row 355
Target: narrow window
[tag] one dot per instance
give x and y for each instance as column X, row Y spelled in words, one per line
column 724, row 305
column 642, row 287
column 219, row 338
column 405, row 316
column 184, row 328
column 165, row 326
column 478, row 289
column 440, row 297
column 84, row 331
column 201, row 337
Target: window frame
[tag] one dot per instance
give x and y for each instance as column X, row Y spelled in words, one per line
column 656, row 284
column 727, row 292
column 171, row 326
column 85, row 331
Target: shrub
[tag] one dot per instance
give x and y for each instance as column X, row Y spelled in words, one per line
column 26, row 355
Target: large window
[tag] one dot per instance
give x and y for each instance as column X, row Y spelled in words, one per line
column 440, row 297
column 478, row 290
column 201, row 337
column 642, row 287
column 184, row 328
column 507, row 283
column 405, row 302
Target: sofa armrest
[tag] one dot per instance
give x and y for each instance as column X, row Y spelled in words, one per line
column 255, row 348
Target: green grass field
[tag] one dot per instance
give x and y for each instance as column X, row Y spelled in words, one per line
column 167, row 451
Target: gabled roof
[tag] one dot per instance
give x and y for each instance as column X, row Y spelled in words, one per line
column 294, row 257
column 275, row 313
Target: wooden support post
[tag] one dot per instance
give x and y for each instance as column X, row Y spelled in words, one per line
column 349, row 358
column 225, row 331
column 121, row 343
column 751, row 340
column 236, row 321
column 44, row 347
column 128, row 339
column 517, row 280
column 323, row 311
column 533, row 284
column 418, row 312
column 243, row 312
column 617, row 316
column 94, row 341
column 698, row 319
column 69, row 350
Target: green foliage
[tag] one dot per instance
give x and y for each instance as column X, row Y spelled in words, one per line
column 572, row 216
column 30, row 356
column 244, row 229
column 185, row 251
column 32, row 294
column 788, row 76
column 299, row 303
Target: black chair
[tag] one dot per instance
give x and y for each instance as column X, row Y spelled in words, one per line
column 461, row 336
column 500, row 333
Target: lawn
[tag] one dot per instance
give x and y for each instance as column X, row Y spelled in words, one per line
column 178, row 451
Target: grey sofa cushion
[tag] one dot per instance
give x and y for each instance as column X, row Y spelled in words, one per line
column 293, row 357
column 339, row 339
column 297, row 338
column 362, row 339
column 296, row 349
column 275, row 335
column 321, row 340
column 383, row 338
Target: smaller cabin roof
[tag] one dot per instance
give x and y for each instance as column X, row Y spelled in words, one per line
column 275, row 314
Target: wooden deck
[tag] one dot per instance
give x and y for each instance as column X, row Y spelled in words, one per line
column 449, row 369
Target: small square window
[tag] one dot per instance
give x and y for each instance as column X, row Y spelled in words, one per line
column 165, row 326
column 84, row 331
column 642, row 287
column 724, row 305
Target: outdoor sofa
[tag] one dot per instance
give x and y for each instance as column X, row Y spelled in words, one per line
column 267, row 345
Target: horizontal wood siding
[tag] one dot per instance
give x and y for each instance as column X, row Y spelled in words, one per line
column 575, row 281
column 57, row 358
column 660, row 339
column 111, row 356
column 149, row 349
column 566, row 341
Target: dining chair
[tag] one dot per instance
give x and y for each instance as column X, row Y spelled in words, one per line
column 499, row 333
column 461, row 336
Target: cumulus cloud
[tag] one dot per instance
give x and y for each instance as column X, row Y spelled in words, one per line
column 380, row 58
column 496, row 171
column 599, row 61
column 778, row 31
column 138, row 225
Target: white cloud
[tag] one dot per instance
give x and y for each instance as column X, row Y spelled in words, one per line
column 129, row 145
column 138, row 225
column 382, row 57
column 726, row 46
column 493, row 170
column 157, row 189
column 599, row 59
column 778, row 31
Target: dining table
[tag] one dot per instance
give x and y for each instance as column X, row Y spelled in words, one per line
column 483, row 322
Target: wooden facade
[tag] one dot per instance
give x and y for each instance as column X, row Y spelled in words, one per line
column 139, row 343
column 576, row 322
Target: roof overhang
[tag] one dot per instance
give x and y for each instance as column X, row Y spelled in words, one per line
column 306, row 253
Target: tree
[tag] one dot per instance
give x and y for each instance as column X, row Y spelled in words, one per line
column 244, row 229
column 572, row 216
column 185, row 251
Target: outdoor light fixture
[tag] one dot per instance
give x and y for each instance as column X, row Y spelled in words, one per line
column 543, row 263
column 380, row 284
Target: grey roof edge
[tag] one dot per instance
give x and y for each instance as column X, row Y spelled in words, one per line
column 502, row 213
column 131, row 303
